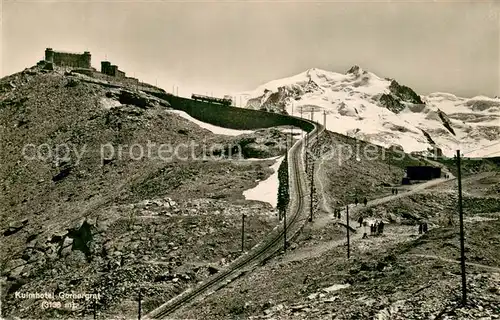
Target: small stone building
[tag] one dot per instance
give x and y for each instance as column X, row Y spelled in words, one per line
column 111, row 70
column 423, row 172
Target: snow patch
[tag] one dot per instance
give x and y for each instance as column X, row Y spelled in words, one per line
column 296, row 132
column 266, row 190
column 210, row 127
column 336, row 287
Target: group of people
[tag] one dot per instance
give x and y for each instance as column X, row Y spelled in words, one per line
column 422, row 227
column 336, row 213
column 365, row 201
column 376, row 228
column 394, row 191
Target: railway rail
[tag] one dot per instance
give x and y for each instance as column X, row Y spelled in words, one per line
column 268, row 247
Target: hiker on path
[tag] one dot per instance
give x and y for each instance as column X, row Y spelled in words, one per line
column 424, row 227
column 365, row 201
column 365, row 230
column 420, row 228
column 381, row 227
column 396, row 191
column 356, row 201
column 360, row 220
column 392, row 190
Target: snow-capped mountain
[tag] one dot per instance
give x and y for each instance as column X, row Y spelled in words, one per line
column 380, row 110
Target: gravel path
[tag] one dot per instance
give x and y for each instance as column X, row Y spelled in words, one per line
column 323, row 220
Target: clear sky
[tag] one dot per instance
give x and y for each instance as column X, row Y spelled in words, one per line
column 231, row 46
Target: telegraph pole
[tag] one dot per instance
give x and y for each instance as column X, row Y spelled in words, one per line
column 284, row 228
column 243, row 233
column 306, row 151
column 140, row 306
column 324, row 118
column 348, row 240
column 312, row 114
column 462, row 245
column 312, row 188
column 286, row 146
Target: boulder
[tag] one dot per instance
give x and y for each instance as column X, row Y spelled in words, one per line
column 14, row 268
column 66, row 247
column 15, row 227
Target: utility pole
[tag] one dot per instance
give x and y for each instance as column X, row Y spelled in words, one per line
column 284, row 229
column 306, row 152
column 312, row 188
column 140, row 306
column 243, row 233
column 94, row 307
column 348, row 241
column 312, row 114
column 462, row 245
column 286, row 146
column 324, row 118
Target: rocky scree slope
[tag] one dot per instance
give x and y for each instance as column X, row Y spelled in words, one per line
column 78, row 222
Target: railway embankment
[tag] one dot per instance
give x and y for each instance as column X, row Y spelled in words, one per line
column 232, row 117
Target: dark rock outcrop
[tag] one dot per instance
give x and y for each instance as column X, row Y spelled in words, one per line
column 399, row 94
column 391, row 103
column 446, row 121
column 428, row 137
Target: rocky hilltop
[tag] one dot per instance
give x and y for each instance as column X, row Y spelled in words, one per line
column 77, row 218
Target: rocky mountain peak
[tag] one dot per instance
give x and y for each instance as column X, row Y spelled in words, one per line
column 355, row 70
column 382, row 110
